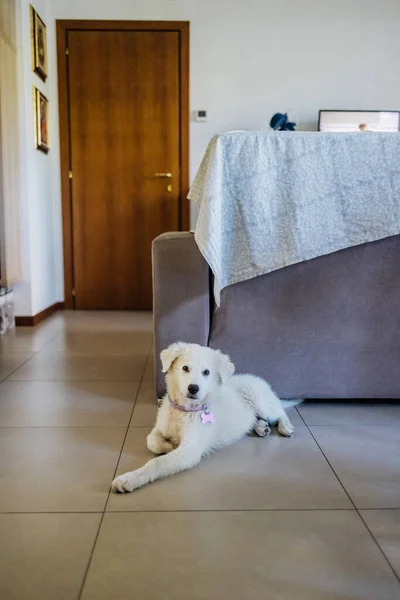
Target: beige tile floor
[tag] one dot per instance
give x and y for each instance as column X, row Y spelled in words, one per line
column 315, row 517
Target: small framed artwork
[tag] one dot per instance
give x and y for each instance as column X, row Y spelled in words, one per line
column 39, row 45
column 385, row 121
column 41, row 105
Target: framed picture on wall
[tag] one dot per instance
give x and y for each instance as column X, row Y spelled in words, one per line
column 41, row 106
column 385, row 121
column 39, row 45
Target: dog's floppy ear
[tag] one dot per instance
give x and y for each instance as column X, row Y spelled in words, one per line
column 226, row 368
column 169, row 355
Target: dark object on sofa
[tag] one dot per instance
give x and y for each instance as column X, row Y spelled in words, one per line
column 280, row 122
column 325, row 328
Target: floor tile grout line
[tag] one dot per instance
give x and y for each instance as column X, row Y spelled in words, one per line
column 67, row 353
column 90, row 557
column 64, row 426
column 379, row 546
column 137, row 381
column 50, row 340
column 191, row 511
column 68, row 380
column 130, row 420
column 72, row 426
column 19, row 366
column 71, row 352
column 343, row 425
column 51, row 512
column 352, row 502
column 33, row 352
column 329, row 463
column 227, row 510
column 109, row 490
column 377, row 508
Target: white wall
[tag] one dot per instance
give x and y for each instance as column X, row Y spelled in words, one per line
column 39, row 287
column 249, row 59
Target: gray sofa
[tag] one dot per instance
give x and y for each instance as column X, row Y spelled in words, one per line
column 325, row 328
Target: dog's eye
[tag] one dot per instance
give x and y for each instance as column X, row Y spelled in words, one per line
column 206, row 373
column 186, row 369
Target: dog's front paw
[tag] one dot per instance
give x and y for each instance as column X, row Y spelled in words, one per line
column 125, row 483
column 285, row 428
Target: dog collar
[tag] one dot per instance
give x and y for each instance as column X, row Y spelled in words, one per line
column 203, row 407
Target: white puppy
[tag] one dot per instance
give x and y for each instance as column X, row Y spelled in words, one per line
column 206, row 407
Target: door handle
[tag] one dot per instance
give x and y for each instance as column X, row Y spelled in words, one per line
column 163, row 175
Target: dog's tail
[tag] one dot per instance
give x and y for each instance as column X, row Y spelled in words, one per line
column 294, row 402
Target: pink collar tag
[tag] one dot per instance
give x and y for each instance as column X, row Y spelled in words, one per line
column 207, row 417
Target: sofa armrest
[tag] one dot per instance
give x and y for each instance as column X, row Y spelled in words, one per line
column 181, row 296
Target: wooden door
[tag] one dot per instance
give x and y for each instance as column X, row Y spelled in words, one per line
column 124, row 138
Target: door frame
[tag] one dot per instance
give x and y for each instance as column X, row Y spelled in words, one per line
column 63, row 26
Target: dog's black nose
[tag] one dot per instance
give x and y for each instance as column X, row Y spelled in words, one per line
column 193, row 389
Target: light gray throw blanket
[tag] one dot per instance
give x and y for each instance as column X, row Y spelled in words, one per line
column 272, row 199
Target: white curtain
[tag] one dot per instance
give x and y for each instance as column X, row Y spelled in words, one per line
column 7, row 21
column 9, row 149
